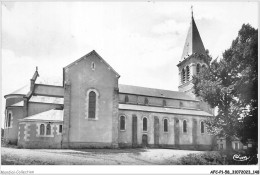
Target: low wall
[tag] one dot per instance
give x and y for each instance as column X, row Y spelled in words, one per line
column 29, row 136
column 83, row 145
column 170, row 146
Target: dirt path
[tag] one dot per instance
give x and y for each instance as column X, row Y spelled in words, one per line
column 92, row 156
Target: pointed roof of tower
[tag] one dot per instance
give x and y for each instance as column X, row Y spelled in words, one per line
column 193, row 42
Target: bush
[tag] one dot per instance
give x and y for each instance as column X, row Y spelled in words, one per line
column 6, row 143
column 250, row 153
column 208, row 158
column 217, row 158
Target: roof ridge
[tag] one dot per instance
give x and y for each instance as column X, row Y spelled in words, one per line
column 88, row 54
column 154, row 92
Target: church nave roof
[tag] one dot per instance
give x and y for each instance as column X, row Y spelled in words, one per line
column 153, row 92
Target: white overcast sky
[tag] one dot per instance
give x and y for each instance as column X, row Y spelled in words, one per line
column 142, row 41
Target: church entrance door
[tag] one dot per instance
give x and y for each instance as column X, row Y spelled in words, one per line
column 134, row 131
column 144, row 140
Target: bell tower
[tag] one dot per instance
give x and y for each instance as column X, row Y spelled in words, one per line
column 189, row 64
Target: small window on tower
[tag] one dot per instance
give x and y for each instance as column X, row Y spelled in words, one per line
column 198, row 69
column 188, row 73
column 183, row 76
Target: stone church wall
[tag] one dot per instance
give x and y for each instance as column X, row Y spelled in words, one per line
column 155, row 101
column 174, row 138
column 81, row 131
column 29, row 135
column 11, row 133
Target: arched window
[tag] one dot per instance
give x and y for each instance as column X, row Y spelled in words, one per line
column 144, row 124
column 202, row 127
column 146, row 101
column 9, row 119
column 183, row 76
column 48, row 129
column 126, row 99
column 42, row 129
column 184, row 126
column 122, row 123
column 60, row 128
column 92, row 105
column 198, row 69
column 164, row 103
column 188, row 73
column 93, row 66
column 165, row 125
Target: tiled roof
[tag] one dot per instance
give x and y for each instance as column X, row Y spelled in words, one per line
column 22, row 91
column 18, row 104
column 128, row 89
column 163, row 110
column 56, row 81
column 44, row 99
column 51, row 115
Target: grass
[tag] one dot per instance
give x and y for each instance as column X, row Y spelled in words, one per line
column 208, row 158
column 8, row 160
column 217, row 158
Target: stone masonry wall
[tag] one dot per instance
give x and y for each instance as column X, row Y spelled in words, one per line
column 175, row 137
column 66, row 117
column 29, row 135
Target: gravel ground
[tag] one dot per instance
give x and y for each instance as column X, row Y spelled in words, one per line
column 11, row 156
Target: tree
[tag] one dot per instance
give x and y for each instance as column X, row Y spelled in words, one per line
column 230, row 84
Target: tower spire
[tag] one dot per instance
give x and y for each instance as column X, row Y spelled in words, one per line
column 193, row 42
column 191, row 11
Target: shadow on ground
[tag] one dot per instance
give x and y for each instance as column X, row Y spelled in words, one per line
column 111, row 151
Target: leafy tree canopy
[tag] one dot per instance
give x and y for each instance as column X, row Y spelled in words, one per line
column 230, row 84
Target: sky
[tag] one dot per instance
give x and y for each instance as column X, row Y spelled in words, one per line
column 142, row 41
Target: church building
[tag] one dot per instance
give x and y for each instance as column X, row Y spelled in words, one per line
column 91, row 110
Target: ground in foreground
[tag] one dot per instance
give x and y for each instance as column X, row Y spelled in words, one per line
column 14, row 156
